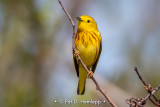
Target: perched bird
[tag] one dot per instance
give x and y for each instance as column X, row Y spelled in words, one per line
column 88, row 43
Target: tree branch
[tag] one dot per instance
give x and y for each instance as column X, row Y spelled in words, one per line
column 78, row 57
column 136, row 102
column 147, row 86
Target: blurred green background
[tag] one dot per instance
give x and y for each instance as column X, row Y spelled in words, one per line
column 36, row 65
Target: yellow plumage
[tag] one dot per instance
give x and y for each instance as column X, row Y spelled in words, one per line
column 89, row 44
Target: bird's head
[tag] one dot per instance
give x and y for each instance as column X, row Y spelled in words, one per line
column 86, row 23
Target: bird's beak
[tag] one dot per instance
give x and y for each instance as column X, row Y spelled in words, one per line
column 78, row 18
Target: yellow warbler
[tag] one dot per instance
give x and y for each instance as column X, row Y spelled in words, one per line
column 88, row 43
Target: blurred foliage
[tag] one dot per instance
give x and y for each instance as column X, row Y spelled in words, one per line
column 24, row 48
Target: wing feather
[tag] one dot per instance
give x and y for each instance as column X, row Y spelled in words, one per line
column 95, row 64
column 76, row 65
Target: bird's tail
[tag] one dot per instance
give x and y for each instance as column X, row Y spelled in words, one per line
column 82, row 81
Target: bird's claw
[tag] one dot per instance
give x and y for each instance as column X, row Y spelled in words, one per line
column 90, row 75
column 76, row 53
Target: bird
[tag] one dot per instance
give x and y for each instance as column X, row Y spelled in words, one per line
column 88, row 44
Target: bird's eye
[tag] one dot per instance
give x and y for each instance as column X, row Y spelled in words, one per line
column 88, row 21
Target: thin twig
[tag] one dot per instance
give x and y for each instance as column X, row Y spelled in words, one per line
column 140, row 77
column 78, row 57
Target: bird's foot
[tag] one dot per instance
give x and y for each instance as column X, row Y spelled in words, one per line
column 76, row 53
column 90, row 75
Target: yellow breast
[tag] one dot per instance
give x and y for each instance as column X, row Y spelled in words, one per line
column 87, row 43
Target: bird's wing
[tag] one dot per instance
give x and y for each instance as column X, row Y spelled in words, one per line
column 95, row 64
column 76, row 64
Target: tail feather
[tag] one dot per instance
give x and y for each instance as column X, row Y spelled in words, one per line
column 82, row 81
column 79, row 91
